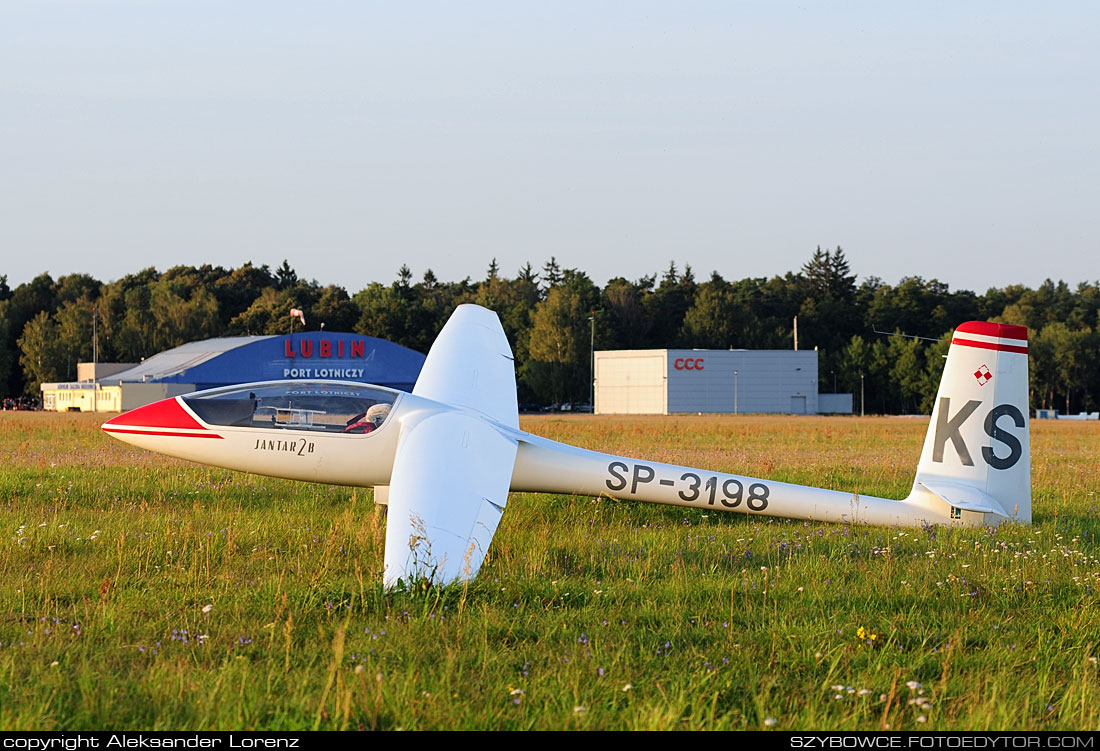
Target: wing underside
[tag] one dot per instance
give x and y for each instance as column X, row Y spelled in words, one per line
column 452, row 468
column 447, row 494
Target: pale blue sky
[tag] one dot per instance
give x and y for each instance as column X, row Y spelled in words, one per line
column 950, row 140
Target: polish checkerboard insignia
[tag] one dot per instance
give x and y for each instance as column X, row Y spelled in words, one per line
column 983, row 375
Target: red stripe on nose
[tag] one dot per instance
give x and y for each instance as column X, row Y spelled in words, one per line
column 167, row 413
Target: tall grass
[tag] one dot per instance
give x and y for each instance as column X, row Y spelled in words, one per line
column 138, row 591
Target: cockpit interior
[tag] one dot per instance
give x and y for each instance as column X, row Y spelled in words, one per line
column 323, row 406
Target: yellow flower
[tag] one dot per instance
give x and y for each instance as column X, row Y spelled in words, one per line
column 863, row 635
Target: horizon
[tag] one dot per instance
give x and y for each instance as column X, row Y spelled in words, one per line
column 481, row 276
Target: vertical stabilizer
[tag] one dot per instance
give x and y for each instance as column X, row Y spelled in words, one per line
column 977, row 454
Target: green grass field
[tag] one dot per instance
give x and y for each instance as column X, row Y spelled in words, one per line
column 138, row 591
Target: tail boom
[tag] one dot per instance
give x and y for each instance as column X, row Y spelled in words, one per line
column 543, row 465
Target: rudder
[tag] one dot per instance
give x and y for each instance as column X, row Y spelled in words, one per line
column 977, row 453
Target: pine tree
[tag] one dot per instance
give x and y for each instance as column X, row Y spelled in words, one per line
column 670, row 277
column 527, row 274
column 285, row 277
column 404, row 276
column 551, row 274
column 828, row 275
column 842, row 282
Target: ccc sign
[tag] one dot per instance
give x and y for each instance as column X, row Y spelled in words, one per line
column 688, row 363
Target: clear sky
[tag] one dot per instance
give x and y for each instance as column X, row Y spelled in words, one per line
column 942, row 139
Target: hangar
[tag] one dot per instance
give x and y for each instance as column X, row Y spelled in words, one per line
column 228, row 361
column 739, row 381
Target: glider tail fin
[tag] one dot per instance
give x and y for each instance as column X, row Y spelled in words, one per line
column 977, row 454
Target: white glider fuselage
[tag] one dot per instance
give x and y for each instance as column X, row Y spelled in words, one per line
column 450, row 452
column 541, row 466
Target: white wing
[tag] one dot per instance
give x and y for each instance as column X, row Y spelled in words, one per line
column 447, row 494
column 470, row 365
column 452, row 469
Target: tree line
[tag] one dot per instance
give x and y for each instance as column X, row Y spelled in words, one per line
column 553, row 314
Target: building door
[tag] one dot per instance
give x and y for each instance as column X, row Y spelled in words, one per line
column 798, row 405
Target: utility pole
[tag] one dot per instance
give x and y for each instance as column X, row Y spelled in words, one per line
column 95, row 360
column 796, row 333
column 861, row 410
column 592, row 363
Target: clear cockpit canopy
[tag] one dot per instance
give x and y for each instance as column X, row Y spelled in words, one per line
column 326, row 406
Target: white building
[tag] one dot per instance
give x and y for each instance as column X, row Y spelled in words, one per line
column 668, row 381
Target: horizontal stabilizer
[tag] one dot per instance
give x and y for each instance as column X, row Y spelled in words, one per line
column 967, row 498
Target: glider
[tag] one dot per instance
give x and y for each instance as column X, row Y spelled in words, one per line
column 445, row 456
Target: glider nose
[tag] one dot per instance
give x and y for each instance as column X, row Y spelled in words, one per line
column 166, row 417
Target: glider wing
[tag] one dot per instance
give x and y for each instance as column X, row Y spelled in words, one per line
column 470, row 365
column 447, row 494
column 452, row 469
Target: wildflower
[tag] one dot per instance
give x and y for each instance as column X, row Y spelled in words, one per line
column 579, row 709
column 628, row 687
column 770, row 721
column 913, row 685
column 922, row 718
column 516, row 692
column 207, row 608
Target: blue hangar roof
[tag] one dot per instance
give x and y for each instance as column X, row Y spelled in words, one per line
column 309, row 355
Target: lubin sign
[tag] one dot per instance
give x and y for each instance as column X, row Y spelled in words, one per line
column 326, row 349
column 349, row 357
